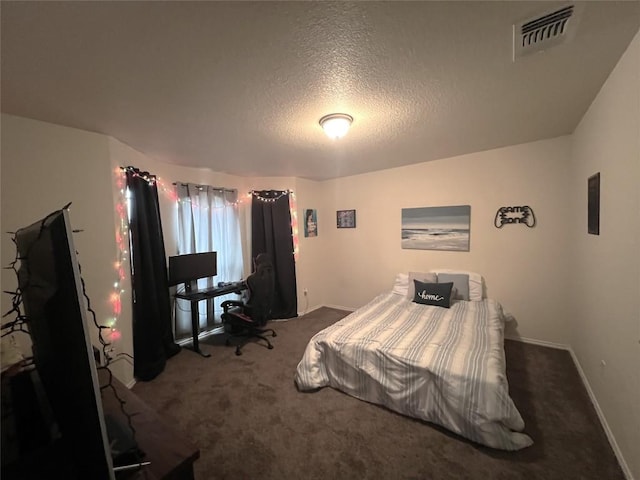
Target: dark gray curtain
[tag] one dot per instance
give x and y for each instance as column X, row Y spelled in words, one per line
column 153, row 341
column 272, row 234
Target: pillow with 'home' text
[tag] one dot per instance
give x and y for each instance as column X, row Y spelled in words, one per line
column 427, row 277
column 436, row 294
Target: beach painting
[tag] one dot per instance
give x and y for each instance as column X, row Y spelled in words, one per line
column 436, row 228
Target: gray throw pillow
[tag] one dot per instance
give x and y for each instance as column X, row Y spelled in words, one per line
column 460, row 281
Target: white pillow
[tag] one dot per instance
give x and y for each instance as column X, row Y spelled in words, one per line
column 401, row 284
column 429, row 277
column 476, row 290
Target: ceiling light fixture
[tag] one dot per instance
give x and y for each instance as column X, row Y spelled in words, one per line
column 336, row 125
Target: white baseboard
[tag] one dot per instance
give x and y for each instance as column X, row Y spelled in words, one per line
column 612, row 440
column 542, row 343
column 337, row 307
column 309, row 310
column 340, row 307
column 603, row 421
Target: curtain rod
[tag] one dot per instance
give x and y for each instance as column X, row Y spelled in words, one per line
column 136, row 170
column 231, row 190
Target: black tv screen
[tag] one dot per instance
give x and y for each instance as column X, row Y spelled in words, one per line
column 192, row 266
column 53, row 302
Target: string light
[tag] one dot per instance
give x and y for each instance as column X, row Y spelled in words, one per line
column 196, row 204
column 268, row 198
column 150, row 179
column 122, row 240
column 293, row 210
column 206, row 207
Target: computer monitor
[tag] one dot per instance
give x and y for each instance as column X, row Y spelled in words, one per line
column 49, row 278
column 192, row 266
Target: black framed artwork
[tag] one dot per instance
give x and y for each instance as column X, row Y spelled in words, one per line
column 593, row 204
column 346, row 218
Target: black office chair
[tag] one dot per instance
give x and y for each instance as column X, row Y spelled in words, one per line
column 246, row 320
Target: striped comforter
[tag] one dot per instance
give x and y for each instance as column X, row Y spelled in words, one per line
column 445, row 366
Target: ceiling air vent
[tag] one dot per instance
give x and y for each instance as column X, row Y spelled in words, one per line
column 544, row 31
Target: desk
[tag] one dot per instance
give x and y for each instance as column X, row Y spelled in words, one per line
column 195, row 295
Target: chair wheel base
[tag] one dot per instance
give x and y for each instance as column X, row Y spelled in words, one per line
column 247, row 335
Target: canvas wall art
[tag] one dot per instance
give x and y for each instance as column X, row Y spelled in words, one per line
column 436, row 228
column 310, row 222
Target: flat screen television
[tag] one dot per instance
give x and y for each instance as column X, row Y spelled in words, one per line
column 192, row 266
column 53, row 302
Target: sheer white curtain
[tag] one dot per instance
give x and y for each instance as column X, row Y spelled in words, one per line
column 208, row 221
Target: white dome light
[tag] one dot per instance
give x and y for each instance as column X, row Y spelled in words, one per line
column 336, row 125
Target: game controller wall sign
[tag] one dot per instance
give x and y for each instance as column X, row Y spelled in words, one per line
column 510, row 215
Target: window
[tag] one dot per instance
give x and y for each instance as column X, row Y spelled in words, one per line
column 208, row 221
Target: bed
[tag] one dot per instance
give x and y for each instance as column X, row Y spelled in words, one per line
column 442, row 365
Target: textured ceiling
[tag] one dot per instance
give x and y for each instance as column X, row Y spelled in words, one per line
column 239, row 87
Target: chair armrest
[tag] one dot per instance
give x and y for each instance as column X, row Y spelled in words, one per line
column 231, row 303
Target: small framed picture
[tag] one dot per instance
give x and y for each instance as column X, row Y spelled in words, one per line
column 310, row 222
column 346, row 218
column 593, row 204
